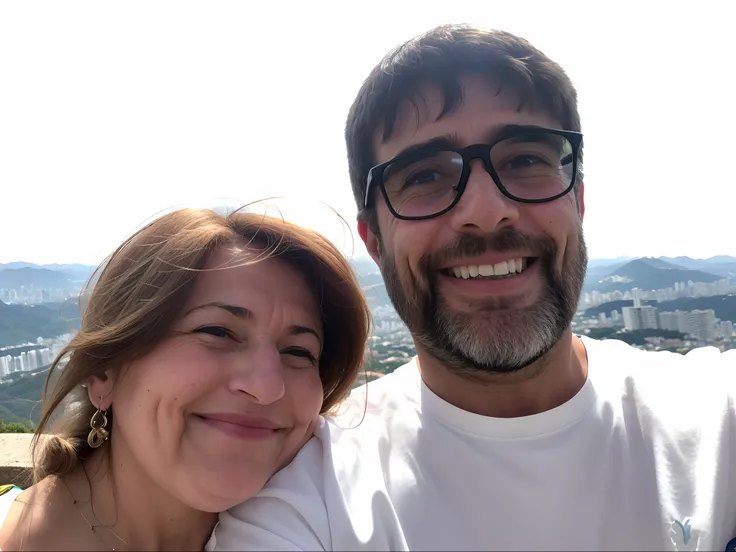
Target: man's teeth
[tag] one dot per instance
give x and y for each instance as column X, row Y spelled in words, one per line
column 512, row 266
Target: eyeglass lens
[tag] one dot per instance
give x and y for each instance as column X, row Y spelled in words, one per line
column 534, row 166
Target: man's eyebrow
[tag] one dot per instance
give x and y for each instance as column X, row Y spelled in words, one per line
column 240, row 312
column 509, row 131
column 453, row 142
column 448, row 141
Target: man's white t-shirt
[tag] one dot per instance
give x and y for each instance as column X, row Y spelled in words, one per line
column 643, row 457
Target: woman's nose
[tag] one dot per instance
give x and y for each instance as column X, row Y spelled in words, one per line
column 260, row 375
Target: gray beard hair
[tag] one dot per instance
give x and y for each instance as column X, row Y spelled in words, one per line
column 496, row 337
column 507, row 348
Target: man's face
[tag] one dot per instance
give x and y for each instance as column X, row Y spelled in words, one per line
column 479, row 324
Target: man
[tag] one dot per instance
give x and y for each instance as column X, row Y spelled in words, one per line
column 507, row 432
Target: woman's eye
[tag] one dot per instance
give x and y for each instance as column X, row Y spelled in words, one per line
column 300, row 353
column 217, row 331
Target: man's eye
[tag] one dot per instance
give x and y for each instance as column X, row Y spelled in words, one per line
column 525, row 161
column 422, row 177
column 217, row 331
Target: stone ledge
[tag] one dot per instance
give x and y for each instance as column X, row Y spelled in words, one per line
column 15, row 457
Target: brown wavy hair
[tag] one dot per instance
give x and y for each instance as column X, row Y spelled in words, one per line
column 137, row 297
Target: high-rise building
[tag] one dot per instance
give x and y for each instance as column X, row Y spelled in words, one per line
column 5, row 365
column 676, row 321
column 636, row 293
column 640, row 318
column 702, row 324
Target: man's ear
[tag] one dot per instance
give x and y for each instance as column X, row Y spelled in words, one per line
column 99, row 389
column 581, row 208
column 370, row 240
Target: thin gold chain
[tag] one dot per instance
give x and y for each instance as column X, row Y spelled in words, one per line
column 92, row 527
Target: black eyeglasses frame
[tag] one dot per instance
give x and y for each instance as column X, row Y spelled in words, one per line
column 468, row 153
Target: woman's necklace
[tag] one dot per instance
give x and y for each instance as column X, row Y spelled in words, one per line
column 92, row 527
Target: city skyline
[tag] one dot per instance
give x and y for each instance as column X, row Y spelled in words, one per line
column 364, row 256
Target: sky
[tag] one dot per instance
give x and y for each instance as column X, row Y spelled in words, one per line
column 114, row 112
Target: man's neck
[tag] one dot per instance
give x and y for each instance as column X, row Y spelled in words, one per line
column 148, row 517
column 547, row 383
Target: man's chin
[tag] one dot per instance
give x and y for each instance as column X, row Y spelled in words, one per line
column 500, row 341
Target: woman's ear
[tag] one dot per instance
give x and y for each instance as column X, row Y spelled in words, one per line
column 100, row 388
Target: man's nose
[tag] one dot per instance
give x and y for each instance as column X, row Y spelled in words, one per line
column 260, row 376
column 482, row 208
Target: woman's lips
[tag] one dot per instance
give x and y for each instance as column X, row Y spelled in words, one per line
column 238, row 425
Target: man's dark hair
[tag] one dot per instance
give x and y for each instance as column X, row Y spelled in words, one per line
column 440, row 57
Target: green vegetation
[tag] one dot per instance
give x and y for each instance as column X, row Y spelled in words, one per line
column 24, row 323
column 20, row 399
column 15, row 427
column 386, row 356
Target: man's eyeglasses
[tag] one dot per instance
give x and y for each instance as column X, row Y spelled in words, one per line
column 528, row 164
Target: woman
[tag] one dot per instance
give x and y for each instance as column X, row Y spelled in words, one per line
column 208, row 349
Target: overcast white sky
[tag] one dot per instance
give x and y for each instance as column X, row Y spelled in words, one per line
column 111, row 112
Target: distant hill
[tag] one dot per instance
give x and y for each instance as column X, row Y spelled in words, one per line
column 38, row 277
column 29, row 273
column 723, row 305
column 699, row 264
column 648, row 274
column 371, row 281
column 20, row 400
column 721, row 265
column 367, row 271
column 598, row 272
column 602, row 263
column 23, row 323
column 726, row 269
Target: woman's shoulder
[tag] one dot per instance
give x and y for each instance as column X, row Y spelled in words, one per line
column 17, row 527
column 9, row 515
column 7, row 497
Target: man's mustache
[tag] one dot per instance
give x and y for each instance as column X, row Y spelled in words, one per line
column 473, row 245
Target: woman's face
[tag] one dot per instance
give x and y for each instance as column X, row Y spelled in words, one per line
column 232, row 393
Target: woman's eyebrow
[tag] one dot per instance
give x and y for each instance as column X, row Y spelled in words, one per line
column 240, row 312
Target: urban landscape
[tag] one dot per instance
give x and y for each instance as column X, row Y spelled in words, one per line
column 654, row 304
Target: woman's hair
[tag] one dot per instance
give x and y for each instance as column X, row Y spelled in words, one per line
column 137, row 298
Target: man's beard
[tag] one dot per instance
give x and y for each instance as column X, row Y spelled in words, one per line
column 493, row 336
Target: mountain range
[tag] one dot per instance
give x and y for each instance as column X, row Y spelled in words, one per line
column 649, row 273
column 71, row 276
column 26, row 323
column 604, row 275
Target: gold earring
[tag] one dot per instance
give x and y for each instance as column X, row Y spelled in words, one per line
column 98, row 435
